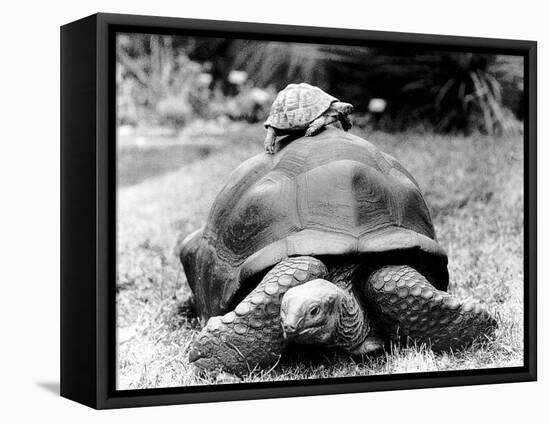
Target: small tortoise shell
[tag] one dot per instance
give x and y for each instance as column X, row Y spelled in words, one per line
column 297, row 106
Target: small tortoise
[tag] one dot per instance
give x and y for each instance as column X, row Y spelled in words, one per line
column 304, row 107
column 336, row 209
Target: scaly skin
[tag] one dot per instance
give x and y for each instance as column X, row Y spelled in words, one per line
column 318, row 124
column 270, row 140
column 345, row 121
column 409, row 307
column 251, row 336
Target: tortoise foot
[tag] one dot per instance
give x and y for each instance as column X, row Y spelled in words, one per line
column 270, row 141
column 373, row 346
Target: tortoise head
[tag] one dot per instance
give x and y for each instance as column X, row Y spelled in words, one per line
column 342, row 108
column 310, row 312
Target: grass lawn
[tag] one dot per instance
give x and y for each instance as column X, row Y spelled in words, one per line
column 473, row 185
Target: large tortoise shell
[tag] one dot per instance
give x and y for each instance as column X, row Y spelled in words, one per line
column 333, row 196
column 297, row 106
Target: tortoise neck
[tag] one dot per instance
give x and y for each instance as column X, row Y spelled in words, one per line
column 352, row 326
column 342, row 274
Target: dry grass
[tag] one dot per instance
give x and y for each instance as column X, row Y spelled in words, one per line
column 474, row 186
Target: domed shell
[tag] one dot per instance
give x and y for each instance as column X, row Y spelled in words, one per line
column 297, row 106
column 334, row 195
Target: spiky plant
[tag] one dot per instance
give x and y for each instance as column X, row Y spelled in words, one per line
column 457, row 92
column 450, row 91
column 276, row 63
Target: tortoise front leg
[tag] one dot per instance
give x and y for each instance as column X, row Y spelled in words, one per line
column 317, row 125
column 345, row 121
column 251, row 335
column 412, row 308
column 270, row 140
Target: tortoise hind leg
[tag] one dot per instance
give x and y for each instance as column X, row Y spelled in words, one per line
column 412, row 308
column 186, row 249
column 251, row 336
column 188, row 306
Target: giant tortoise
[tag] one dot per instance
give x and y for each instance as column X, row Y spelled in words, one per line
column 334, row 208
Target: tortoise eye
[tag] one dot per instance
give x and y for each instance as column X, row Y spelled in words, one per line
column 314, row 311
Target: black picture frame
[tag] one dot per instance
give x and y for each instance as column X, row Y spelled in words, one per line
column 88, row 194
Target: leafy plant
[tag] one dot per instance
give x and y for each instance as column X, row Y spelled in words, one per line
column 450, row 91
column 276, row 63
column 162, row 79
column 174, row 79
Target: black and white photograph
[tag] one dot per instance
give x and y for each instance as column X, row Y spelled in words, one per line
column 291, row 211
column 275, row 211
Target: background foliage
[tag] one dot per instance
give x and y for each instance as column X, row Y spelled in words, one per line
column 175, row 80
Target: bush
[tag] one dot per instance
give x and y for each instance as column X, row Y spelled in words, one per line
column 448, row 91
column 158, row 83
column 171, row 80
column 454, row 92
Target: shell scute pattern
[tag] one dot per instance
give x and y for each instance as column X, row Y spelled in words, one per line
column 298, row 105
column 334, row 196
